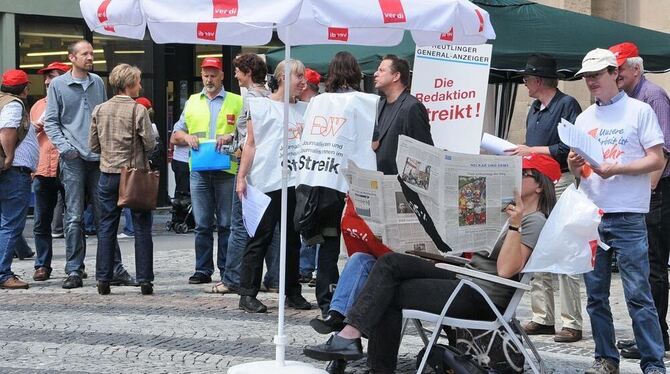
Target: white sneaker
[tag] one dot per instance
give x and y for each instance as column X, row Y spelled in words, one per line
column 123, row 235
column 57, row 236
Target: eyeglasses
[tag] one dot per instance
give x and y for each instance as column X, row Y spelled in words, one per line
column 527, row 173
column 593, row 76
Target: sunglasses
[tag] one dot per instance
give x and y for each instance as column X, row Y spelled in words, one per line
column 527, row 173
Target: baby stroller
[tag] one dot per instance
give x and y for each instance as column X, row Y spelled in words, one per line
column 182, row 215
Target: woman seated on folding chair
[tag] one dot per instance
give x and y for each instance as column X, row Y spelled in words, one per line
column 399, row 281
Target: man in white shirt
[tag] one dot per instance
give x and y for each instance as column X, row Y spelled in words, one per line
column 632, row 144
column 19, row 153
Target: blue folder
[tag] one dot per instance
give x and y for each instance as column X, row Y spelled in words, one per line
column 206, row 158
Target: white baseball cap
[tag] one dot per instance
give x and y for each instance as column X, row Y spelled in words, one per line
column 596, row 60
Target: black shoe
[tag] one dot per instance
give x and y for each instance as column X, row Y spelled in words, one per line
column 334, row 322
column 631, row 352
column 298, row 302
column 198, row 278
column 73, row 281
column 124, row 279
column 252, row 305
column 103, row 288
column 625, row 343
column 336, row 348
column 336, row 367
column 147, row 288
column 305, row 278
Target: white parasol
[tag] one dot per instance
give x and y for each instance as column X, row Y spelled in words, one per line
column 298, row 22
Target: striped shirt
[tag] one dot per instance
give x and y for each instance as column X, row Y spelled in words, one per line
column 650, row 93
column 27, row 153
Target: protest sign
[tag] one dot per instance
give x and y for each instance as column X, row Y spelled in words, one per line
column 267, row 117
column 338, row 127
column 451, row 81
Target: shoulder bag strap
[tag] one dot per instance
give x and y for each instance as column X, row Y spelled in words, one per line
column 132, row 159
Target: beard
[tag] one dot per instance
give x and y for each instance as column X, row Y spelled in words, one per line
column 210, row 88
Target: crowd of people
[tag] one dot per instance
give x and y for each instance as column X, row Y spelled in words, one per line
column 73, row 145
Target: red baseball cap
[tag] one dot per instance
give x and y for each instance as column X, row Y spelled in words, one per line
column 14, row 77
column 144, row 102
column 623, row 51
column 54, row 66
column 546, row 165
column 211, row 62
column 312, row 76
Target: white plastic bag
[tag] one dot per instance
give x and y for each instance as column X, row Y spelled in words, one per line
column 569, row 239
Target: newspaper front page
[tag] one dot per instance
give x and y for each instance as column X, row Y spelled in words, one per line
column 379, row 200
column 464, row 194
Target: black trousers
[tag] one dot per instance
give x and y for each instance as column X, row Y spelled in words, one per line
column 658, row 229
column 182, row 179
column 327, row 272
column 252, row 261
column 400, row 281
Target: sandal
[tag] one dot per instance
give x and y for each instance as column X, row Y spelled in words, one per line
column 220, row 288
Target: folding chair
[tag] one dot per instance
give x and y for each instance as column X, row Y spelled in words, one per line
column 504, row 320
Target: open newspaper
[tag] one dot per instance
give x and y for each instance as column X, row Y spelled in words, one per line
column 463, row 194
column 379, row 200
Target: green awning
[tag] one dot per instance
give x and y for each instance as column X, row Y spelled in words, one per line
column 522, row 27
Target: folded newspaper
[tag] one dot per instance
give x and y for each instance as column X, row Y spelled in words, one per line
column 379, row 201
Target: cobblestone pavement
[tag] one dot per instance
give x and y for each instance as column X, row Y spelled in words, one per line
column 181, row 329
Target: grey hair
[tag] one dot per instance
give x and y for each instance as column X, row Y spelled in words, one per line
column 632, row 62
column 549, row 82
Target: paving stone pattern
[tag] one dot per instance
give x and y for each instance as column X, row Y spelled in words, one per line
column 181, row 329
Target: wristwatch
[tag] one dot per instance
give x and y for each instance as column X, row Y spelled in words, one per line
column 514, row 228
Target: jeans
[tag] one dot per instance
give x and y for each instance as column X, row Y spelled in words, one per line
column 14, row 201
column 658, row 227
column 308, row 259
column 400, row 281
column 80, row 181
column 89, row 219
column 626, row 234
column 110, row 215
column 59, row 210
column 271, row 278
column 46, row 190
column 252, row 260
column 211, row 195
column 128, row 228
column 353, row 278
column 238, row 242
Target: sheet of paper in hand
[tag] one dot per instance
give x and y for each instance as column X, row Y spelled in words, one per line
column 584, row 145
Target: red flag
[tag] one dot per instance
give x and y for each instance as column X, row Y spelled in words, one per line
column 358, row 236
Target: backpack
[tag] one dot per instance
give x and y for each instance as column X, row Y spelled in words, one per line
column 449, row 360
column 500, row 354
column 24, row 126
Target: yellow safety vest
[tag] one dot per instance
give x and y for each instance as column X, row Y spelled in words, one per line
column 197, row 118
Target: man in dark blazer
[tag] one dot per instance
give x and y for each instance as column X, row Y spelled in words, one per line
column 399, row 113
